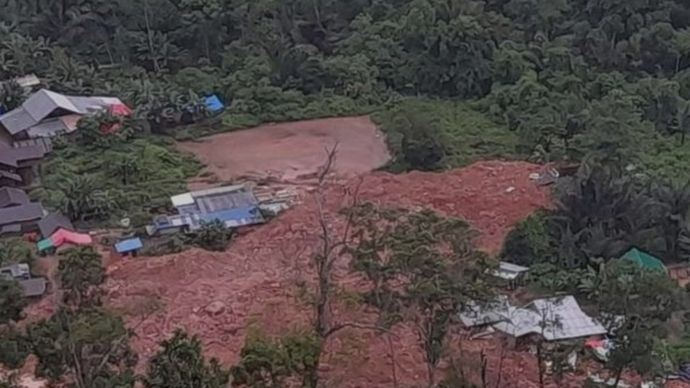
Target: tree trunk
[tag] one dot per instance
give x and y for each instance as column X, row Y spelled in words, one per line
column 156, row 67
column 619, row 375
column 541, row 365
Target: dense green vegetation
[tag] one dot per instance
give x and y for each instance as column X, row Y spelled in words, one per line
column 559, row 80
column 127, row 179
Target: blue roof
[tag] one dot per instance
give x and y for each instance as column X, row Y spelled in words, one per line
column 129, row 245
column 213, row 104
column 235, row 217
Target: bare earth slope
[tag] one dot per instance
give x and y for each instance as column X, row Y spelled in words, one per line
column 290, row 150
column 218, row 296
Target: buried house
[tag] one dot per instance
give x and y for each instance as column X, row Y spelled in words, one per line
column 234, row 206
column 554, row 319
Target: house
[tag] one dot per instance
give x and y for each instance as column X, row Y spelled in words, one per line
column 33, row 287
column 22, row 274
column 234, row 206
column 10, row 197
column 52, row 222
column 512, row 274
column 49, row 114
column 21, row 219
column 555, row 319
column 16, row 271
column 19, row 166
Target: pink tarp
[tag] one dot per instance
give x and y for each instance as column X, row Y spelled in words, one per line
column 63, row 236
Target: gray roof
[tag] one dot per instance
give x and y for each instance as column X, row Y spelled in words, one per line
column 52, row 222
column 23, row 213
column 9, row 175
column 12, row 197
column 19, row 270
column 509, row 271
column 17, row 120
column 13, row 157
column 33, row 287
column 48, row 128
column 43, row 103
column 556, row 319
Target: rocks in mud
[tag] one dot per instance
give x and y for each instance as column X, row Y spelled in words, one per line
column 215, row 308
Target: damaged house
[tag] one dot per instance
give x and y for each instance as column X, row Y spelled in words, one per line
column 48, row 114
column 555, row 319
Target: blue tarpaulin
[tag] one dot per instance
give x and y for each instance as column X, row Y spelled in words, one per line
column 129, row 245
column 235, row 217
column 213, row 104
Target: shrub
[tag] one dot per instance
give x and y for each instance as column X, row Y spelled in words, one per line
column 212, row 236
column 530, row 242
column 14, row 348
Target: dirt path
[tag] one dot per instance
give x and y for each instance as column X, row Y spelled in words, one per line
column 219, row 296
column 289, row 151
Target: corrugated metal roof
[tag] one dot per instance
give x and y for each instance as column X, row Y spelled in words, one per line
column 17, row 120
column 52, row 222
column 556, row 318
column 233, row 218
column 23, row 213
column 11, row 176
column 33, row 287
column 509, row 271
column 49, row 128
column 44, row 102
column 129, row 245
column 7, row 157
column 15, row 271
column 12, row 197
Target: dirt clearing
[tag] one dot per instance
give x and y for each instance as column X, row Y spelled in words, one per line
column 219, row 296
column 290, row 151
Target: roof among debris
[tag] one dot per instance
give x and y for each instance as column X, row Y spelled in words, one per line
column 12, row 197
column 17, row 214
column 14, row 157
column 19, row 270
column 56, row 126
column 128, row 245
column 42, row 104
column 52, row 222
column 509, row 271
column 556, row 318
column 644, row 260
column 33, row 287
column 212, row 200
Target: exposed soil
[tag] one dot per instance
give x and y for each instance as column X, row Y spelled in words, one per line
column 220, row 296
column 289, row 151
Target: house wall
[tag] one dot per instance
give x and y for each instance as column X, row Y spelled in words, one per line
column 5, row 137
column 4, row 182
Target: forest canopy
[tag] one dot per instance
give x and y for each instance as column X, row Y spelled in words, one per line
column 569, row 77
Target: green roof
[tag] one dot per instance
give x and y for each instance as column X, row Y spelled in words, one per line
column 44, row 244
column 644, row 260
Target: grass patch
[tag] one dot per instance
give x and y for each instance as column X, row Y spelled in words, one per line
column 137, row 176
column 468, row 135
